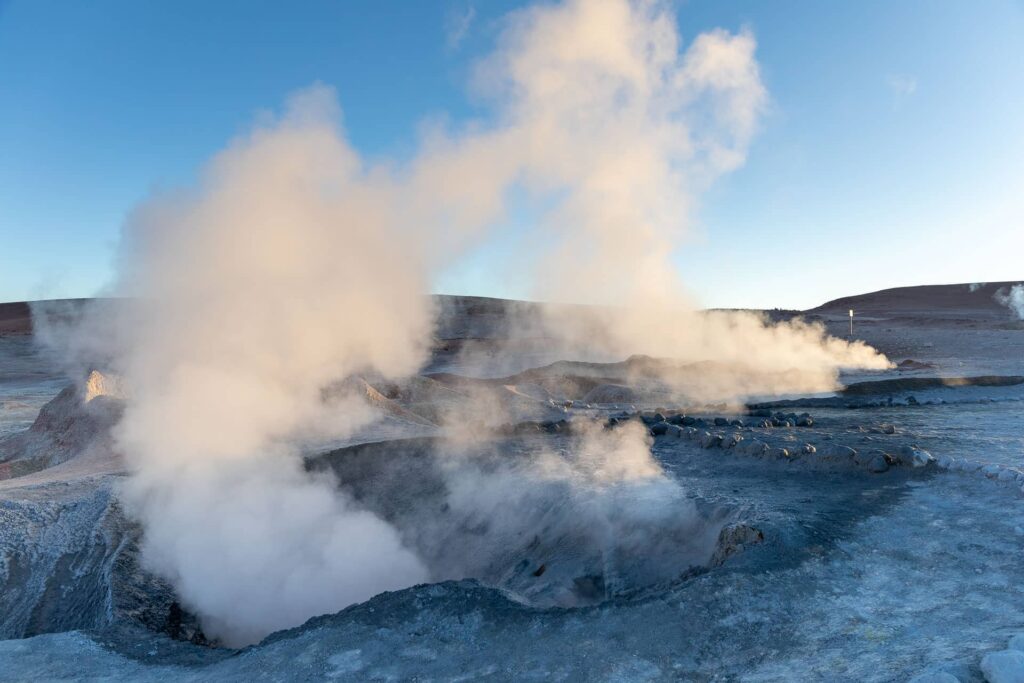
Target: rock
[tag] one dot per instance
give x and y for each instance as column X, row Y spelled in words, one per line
column 98, row 384
column 554, row 426
column 700, row 423
column 808, row 449
column 991, row 471
column 1007, row 475
column 778, row 453
column 708, row 440
column 914, row 457
column 731, row 440
column 659, row 428
column 911, row 364
column 735, row 423
column 764, row 424
column 878, row 464
column 1006, row 666
column 676, row 419
column 754, row 447
column 689, row 421
column 805, row 422
column 888, row 429
column 732, row 540
column 721, row 422
column 838, row 452
column 674, row 431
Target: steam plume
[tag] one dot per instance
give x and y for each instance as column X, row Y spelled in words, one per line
column 1014, row 300
column 295, row 263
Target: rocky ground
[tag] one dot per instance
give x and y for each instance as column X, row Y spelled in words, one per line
column 870, row 535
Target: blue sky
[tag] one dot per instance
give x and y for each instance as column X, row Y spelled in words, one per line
column 892, row 153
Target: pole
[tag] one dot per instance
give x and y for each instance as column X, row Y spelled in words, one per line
column 851, row 323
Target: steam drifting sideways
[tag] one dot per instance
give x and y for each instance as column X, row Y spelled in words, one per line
column 295, row 264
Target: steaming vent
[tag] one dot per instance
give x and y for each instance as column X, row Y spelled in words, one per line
column 496, row 512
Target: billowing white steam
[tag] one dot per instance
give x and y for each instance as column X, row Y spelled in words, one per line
column 1013, row 299
column 283, row 271
column 294, row 264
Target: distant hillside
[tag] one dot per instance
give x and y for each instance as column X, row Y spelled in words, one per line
column 963, row 298
column 16, row 316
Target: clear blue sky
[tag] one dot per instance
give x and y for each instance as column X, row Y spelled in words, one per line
column 893, row 152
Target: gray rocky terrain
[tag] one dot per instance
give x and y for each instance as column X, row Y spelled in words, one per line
column 871, row 534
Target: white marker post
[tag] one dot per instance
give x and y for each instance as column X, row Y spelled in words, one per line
column 851, row 323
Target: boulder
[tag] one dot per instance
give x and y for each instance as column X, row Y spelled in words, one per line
column 708, row 440
column 838, row 452
column 660, row 428
column 914, row 457
column 758, row 448
column 1005, row 666
column 878, row 463
column 1007, row 475
column 733, row 539
column 731, row 440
